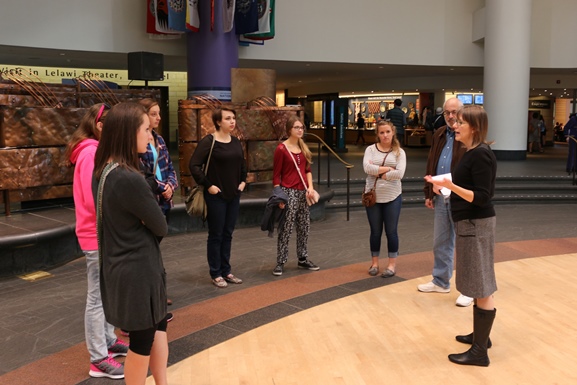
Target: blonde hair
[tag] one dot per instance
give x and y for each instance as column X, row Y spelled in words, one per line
column 395, row 145
column 302, row 145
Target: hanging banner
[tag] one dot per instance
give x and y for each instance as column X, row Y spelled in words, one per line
column 228, row 7
column 266, row 28
column 192, row 16
column 177, row 15
column 246, row 16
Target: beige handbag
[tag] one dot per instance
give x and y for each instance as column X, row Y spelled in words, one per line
column 195, row 203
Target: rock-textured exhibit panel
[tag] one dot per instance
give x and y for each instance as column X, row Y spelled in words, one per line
column 259, row 128
column 38, row 126
column 36, row 123
column 33, row 167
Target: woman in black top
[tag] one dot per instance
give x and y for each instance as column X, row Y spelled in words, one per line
column 473, row 187
column 360, row 128
column 132, row 276
column 223, row 183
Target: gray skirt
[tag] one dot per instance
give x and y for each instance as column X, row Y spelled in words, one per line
column 475, row 245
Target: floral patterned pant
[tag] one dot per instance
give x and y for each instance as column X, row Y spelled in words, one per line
column 297, row 213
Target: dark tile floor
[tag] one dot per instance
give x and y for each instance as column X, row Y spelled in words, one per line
column 42, row 318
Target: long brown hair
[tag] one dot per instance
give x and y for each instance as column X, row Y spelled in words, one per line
column 395, row 145
column 148, row 103
column 118, row 139
column 87, row 129
column 302, row 145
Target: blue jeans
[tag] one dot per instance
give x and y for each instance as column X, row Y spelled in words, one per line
column 99, row 334
column 221, row 218
column 387, row 215
column 443, row 242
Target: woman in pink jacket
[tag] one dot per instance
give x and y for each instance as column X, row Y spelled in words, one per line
column 101, row 340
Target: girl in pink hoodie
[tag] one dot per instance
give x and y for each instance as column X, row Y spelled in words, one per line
column 101, row 340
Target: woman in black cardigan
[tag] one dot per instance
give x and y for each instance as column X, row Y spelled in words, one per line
column 133, row 280
column 223, row 182
column 472, row 188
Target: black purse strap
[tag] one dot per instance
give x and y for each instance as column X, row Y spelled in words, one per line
column 209, row 155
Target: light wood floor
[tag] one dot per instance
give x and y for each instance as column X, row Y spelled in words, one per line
column 396, row 335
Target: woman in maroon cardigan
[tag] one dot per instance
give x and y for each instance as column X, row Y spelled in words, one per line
column 289, row 155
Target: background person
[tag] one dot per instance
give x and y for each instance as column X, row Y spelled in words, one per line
column 285, row 174
column 133, row 280
column 438, row 119
column 534, row 132
column 157, row 160
column 360, row 128
column 542, row 131
column 472, row 189
column 223, row 184
column 444, row 155
column 101, row 340
column 399, row 120
column 387, row 210
column 570, row 131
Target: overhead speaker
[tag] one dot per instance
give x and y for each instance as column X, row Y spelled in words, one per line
column 145, row 66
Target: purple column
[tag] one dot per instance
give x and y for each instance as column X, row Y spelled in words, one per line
column 211, row 54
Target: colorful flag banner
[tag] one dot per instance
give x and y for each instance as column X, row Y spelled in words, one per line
column 161, row 16
column 177, row 15
column 192, row 16
column 266, row 28
column 228, row 15
column 246, row 16
column 153, row 33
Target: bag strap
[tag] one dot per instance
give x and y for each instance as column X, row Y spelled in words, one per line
column 109, row 167
column 297, row 167
column 376, row 179
column 209, row 155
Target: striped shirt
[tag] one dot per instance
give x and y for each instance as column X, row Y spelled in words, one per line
column 389, row 189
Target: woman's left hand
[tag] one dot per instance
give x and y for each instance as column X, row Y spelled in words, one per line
column 241, row 186
column 439, row 182
column 167, row 193
column 310, row 192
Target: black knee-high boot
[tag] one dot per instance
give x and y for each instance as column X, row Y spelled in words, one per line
column 468, row 339
column 477, row 355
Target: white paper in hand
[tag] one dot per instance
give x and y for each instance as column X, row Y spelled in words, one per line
column 445, row 191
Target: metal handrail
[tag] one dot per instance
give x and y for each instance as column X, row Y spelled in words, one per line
column 575, row 162
column 347, row 165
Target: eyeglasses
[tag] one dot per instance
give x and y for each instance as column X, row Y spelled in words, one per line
column 460, row 122
column 103, row 107
column 299, row 128
column 449, row 113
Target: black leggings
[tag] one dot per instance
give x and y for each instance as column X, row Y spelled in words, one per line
column 141, row 340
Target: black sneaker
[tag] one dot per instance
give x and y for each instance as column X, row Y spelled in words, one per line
column 278, row 269
column 306, row 264
column 169, row 317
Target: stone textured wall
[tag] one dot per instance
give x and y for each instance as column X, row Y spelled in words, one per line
column 33, row 137
column 260, row 130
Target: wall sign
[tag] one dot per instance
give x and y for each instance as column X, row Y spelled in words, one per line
column 542, row 104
